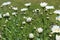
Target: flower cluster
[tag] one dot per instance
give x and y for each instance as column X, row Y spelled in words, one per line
column 43, row 14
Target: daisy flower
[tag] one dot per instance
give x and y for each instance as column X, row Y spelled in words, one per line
column 39, row 30
column 49, row 7
column 57, row 12
column 31, row 35
column 58, row 18
column 14, row 13
column 6, row 21
column 23, row 22
column 6, row 3
column 29, row 19
column 24, row 17
column 14, row 8
column 36, row 10
column 6, row 14
column 27, row 4
column 24, row 9
column 55, row 29
column 43, row 4
column 57, row 37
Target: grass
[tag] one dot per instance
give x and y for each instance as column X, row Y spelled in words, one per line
column 14, row 32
